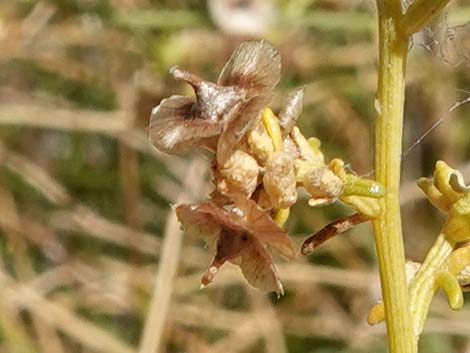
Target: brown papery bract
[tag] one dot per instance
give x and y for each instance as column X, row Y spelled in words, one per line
column 227, row 109
column 240, row 235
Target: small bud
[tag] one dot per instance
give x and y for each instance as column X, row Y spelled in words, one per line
column 238, row 175
column 279, row 180
column 306, row 149
column 259, row 142
column 322, row 183
column 363, row 187
column 291, row 148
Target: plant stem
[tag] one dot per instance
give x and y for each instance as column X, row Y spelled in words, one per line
column 387, row 226
column 419, row 14
column 422, row 287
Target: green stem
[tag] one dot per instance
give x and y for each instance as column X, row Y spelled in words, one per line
column 387, row 227
column 423, row 287
column 419, row 14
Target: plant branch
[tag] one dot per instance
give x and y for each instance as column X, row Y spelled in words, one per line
column 419, row 14
column 423, row 287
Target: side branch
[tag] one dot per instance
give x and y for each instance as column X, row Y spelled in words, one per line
column 419, row 14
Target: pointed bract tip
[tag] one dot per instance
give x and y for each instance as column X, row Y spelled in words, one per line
column 280, row 290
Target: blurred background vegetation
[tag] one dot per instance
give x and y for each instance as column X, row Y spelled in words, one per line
column 88, row 241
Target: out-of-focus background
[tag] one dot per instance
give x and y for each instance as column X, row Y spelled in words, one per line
column 92, row 259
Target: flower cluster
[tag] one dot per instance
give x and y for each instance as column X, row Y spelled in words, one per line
column 447, row 265
column 260, row 161
column 448, row 192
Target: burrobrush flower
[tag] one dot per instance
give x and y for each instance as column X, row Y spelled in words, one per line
column 260, row 161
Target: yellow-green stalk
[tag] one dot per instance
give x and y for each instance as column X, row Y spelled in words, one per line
column 419, row 14
column 393, row 50
column 394, row 32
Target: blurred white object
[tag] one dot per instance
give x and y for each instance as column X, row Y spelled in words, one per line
column 243, row 17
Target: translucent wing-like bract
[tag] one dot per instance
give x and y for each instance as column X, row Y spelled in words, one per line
column 236, row 240
column 236, row 128
column 265, row 229
column 174, row 128
column 198, row 224
column 259, row 270
column 255, row 65
column 291, row 111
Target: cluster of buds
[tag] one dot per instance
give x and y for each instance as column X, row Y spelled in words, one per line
column 448, row 192
column 447, row 265
column 260, row 161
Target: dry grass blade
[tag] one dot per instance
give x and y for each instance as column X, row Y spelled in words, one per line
column 110, row 123
column 45, row 238
column 83, row 219
column 15, row 335
column 239, row 323
column 35, row 176
column 319, row 326
column 48, row 339
column 327, row 275
column 170, row 255
column 79, row 217
column 191, row 342
column 220, row 319
column 240, row 339
column 62, row 119
column 61, row 318
column 269, row 325
column 294, row 273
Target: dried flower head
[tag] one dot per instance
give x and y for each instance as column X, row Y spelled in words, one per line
column 240, row 235
column 226, row 109
column 259, row 162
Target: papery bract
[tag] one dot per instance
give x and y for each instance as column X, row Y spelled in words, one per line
column 240, row 235
column 227, row 109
